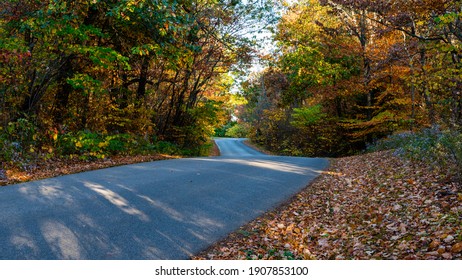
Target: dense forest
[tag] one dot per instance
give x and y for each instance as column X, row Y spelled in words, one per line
column 94, row 78
column 346, row 73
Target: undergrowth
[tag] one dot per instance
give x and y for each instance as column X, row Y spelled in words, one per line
column 23, row 145
column 441, row 149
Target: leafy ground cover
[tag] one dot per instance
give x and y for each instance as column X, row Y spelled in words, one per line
column 58, row 167
column 372, row 206
column 214, row 151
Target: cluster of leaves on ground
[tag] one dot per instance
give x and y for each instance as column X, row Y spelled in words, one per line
column 373, row 206
column 58, row 167
column 214, row 151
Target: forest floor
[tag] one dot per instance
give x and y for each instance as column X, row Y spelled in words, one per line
column 372, row 206
column 59, row 167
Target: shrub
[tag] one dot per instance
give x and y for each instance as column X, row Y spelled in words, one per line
column 165, row 147
column 91, row 145
column 440, row 149
column 451, row 145
column 237, row 131
column 115, row 144
column 221, row 132
column 18, row 143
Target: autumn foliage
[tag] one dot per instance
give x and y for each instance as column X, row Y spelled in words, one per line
column 347, row 73
column 93, row 78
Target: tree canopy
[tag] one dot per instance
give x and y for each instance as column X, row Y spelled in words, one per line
column 91, row 78
column 138, row 70
column 347, row 73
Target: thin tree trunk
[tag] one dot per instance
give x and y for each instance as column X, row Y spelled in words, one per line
column 425, row 90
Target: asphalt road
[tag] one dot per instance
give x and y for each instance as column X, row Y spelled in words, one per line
column 159, row 210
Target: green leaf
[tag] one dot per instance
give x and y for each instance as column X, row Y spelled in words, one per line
column 307, row 116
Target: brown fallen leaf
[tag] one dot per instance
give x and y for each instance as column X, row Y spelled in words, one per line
column 457, row 248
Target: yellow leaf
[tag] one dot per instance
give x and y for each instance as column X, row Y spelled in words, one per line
column 103, row 144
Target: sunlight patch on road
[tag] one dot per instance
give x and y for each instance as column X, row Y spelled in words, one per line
column 117, row 200
column 203, row 221
column 172, row 213
column 278, row 166
column 198, row 235
column 269, row 164
column 47, row 191
column 24, row 242
column 61, row 240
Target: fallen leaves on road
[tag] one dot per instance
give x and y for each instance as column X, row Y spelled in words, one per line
column 373, row 206
column 215, row 151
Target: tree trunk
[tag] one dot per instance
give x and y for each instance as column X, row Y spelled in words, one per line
column 425, row 90
column 143, row 80
column 63, row 93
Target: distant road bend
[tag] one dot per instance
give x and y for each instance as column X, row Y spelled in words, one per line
column 169, row 209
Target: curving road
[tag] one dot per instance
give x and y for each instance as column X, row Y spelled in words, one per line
column 159, row 210
column 234, row 147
